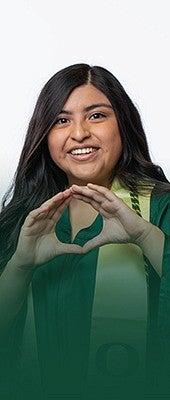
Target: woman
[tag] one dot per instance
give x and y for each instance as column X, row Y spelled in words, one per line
column 94, row 314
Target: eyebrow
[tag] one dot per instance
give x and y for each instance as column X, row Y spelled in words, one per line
column 88, row 108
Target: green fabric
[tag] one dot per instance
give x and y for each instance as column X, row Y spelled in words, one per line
column 158, row 350
column 63, row 296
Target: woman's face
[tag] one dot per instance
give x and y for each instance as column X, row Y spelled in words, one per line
column 85, row 141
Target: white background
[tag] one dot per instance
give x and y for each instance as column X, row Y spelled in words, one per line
column 129, row 37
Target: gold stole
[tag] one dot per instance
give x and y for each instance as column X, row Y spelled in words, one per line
column 119, row 316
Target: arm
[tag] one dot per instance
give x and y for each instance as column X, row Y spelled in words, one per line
column 151, row 242
column 14, row 284
column 37, row 244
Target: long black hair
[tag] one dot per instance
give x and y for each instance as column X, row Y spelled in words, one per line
column 38, row 178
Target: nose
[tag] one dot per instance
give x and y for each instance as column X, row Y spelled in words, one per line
column 79, row 132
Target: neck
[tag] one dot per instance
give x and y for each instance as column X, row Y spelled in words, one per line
column 80, row 182
column 82, row 215
column 80, row 206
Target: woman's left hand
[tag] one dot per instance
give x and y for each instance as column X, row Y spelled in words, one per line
column 120, row 223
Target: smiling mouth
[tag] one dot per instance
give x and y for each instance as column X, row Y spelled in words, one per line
column 83, row 151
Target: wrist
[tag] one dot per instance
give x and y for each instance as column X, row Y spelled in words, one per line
column 142, row 238
column 151, row 242
column 20, row 268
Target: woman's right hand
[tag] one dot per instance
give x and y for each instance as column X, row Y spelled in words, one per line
column 37, row 241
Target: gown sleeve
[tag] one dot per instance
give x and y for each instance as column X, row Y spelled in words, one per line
column 160, row 216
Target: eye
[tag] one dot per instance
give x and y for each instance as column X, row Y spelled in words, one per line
column 61, row 121
column 97, row 115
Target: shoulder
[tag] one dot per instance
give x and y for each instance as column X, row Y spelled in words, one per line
column 160, row 210
column 160, row 201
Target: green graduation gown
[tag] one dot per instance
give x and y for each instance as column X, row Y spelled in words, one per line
column 63, row 295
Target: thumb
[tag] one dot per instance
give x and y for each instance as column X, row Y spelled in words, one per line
column 66, row 248
column 73, row 248
column 97, row 241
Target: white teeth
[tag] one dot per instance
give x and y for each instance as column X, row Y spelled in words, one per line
column 86, row 150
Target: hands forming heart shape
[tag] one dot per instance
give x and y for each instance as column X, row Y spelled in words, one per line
column 38, row 242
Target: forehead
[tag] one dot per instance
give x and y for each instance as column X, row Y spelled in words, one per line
column 85, row 95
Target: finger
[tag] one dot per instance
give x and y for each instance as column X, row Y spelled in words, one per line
column 48, row 206
column 103, row 190
column 93, row 243
column 80, row 189
column 73, row 248
column 103, row 209
column 77, row 188
column 116, row 203
column 55, row 214
column 81, row 197
column 105, row 214
column 94, row 188
column 88, row 200
column 57, row 199
column 56, row 207
column 35, row 215
column 108, row 203
column 103, row 206
column 67, row 192
column 66, row 248
column 51, row 204
column 103, row 195
column 85, row 191
column 59, row 204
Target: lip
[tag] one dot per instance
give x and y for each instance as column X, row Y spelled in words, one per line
column 82, row 146
column 83, row 157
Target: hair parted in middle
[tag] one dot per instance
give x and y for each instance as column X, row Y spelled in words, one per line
column 38, row 178
column 36, row 165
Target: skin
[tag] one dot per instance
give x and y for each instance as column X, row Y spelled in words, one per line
column 80, row 125
column 121, row 224
column 84, row 123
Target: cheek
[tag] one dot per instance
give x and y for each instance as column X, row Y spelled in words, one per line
column 115, row 144
column 119, row 146
column 53, row 146
column 55, row 154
